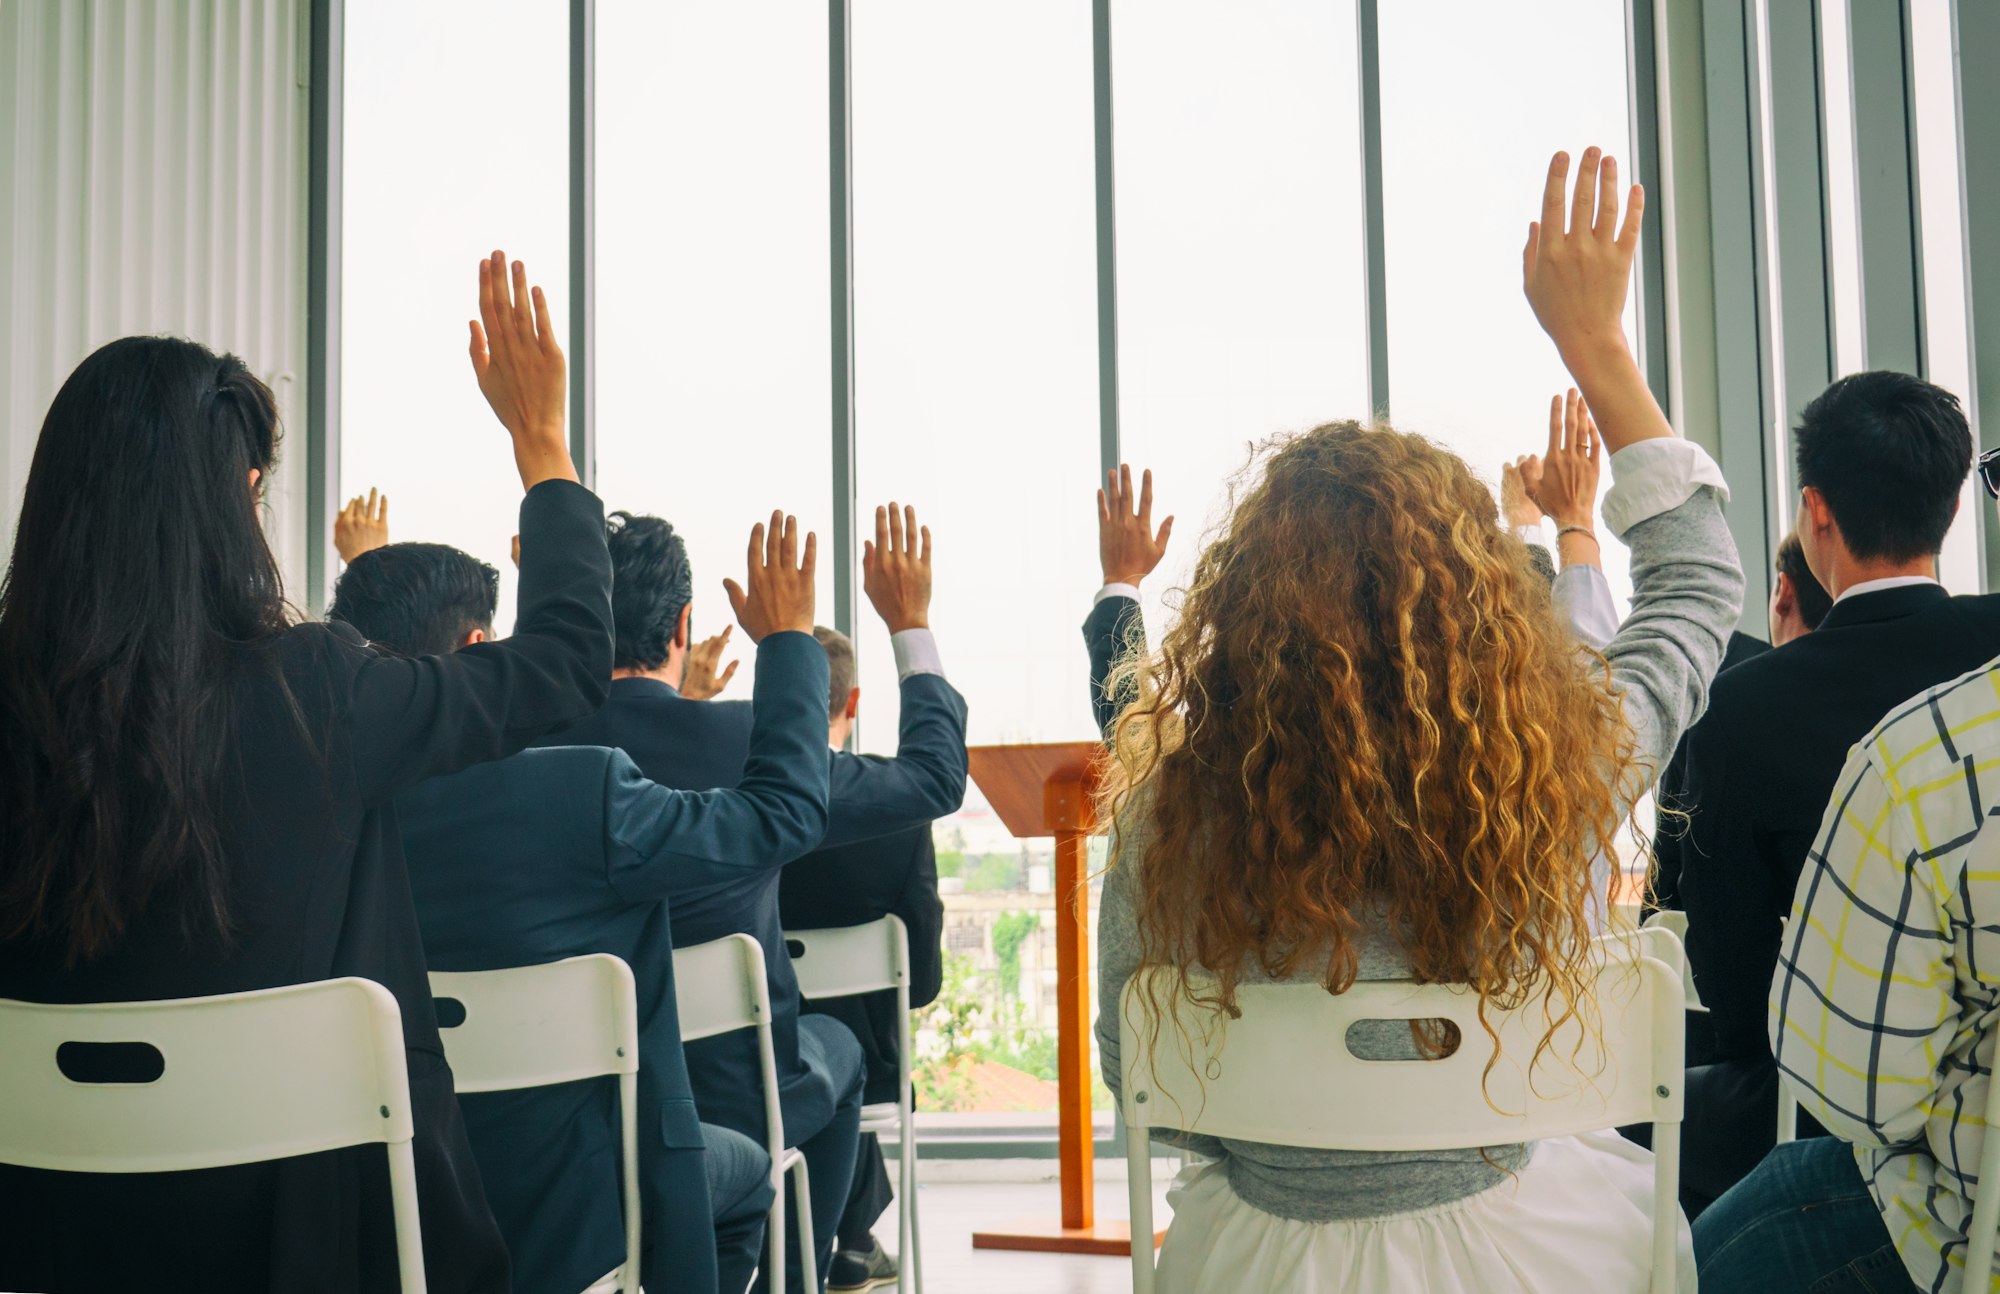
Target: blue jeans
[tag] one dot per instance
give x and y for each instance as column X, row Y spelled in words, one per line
column 1804, row 1221
column 739, row 1188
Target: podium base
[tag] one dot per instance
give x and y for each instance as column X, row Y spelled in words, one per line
column 1049, row 1235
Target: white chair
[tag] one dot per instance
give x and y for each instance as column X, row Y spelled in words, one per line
column 842, row 962
column 1281, row 1073
column 1675, row 921
column 532, row 1026
column 247, row 1077
column 720, row 987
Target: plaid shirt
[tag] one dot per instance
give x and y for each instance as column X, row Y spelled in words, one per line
column 1886, row 992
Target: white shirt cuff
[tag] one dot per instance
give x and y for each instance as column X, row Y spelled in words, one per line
column 1656, row 476
column 916, row 653
column 1116, row 590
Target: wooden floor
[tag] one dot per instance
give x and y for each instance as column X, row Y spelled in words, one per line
column 952, row 1211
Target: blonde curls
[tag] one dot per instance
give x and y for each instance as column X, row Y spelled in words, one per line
column 1369, row 715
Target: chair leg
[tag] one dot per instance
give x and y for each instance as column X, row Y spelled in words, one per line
column 1139, row 1171
column 775, row 1244
column 910, row 1271
column 803, row 1225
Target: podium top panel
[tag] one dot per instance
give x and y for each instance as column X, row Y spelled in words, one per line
column 1016, row 781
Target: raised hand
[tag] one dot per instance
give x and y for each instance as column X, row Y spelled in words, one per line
column 780, row 597
column 698, row 680
column 1127, row 547
column 1576, row 270
column 1567, row 490
column 363, row 524
column 895, row 575
column 1577, row 277
column 1518, row 480
column 521, row 370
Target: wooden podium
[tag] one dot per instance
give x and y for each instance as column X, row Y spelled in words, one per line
column 1046, row 790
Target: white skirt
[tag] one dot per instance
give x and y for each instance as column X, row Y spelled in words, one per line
column 1578, row 1217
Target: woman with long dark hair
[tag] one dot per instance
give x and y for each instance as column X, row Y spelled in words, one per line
column 194, row 789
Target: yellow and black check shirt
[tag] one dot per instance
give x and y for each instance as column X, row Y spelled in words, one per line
column 1887, row 986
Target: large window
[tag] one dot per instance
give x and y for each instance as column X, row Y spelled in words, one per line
column 976, row 344
column 1474, row 103
column 712, row 330
column 1242, row 304
column 442, row 165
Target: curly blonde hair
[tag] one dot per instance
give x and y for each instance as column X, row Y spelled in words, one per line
column 1368, row 712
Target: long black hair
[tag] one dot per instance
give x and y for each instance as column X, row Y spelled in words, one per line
column 140, row 589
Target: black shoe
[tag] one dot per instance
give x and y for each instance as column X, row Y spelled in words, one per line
column 852, row 1273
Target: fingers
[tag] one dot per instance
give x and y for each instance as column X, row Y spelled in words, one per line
column 1166, row 533
column 523, row 319
column 1591, row 440
column 1555, row 425
column 1530, row 250
column 1552, row 196
column 493, row 304
column 1606, row 227
column 909, row 531
column 1572, row 407
column 1635, row 211
column 867, row 559
column 1146, row 500
column 722, row 679
column 809, row 559
column 738, row 600
column 382, row 513
column 480, row 356
column 788, row 545
column 1124, row 488
column 897, row 547
column 882, row 532
column 545, row 331
column 757, row 545
column 925, row 556
column 1586, row 193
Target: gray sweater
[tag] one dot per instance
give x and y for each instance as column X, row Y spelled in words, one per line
column 1687, row 595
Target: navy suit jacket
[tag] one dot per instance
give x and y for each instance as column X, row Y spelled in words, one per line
column 558, row 852
column 1113, row 629
column 695, row 744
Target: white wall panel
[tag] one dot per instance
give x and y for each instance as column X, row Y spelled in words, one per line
column 153, row 165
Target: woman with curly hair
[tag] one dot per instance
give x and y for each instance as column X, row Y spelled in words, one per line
column 1369, row 750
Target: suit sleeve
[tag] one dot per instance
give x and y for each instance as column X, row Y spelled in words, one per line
column 407, row 720
column 659, row 840
column 922, row 912
column 1114, row 630
column 869, row 796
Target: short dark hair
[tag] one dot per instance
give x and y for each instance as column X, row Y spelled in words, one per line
column 1814, row 601
column 1889, row 452
column 650, row 584
column 416, row 599
column 839, row 668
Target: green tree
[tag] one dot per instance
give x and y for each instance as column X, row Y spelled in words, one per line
column 1009, row 933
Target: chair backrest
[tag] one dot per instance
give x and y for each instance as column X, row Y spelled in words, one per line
column 1269, row 1074
column 529, row 1026
column 844, row 960
column 247, row 1077
column 720, row 987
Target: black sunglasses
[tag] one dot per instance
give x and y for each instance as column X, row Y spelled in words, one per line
column 1989, row 471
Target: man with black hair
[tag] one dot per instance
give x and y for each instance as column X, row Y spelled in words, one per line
column 1881, row 461
column 697, row 744
column 554, row 853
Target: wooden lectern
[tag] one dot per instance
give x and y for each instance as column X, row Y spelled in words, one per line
column 1045, row 790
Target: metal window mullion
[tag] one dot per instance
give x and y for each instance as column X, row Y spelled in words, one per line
column 840, row 225
column 1109, row 447
column 1892, row 302
column 583, row 239
column 323, row 295
column 1976, row 40
column 1374, row 249
column 1651, row 131
column 1796, row 191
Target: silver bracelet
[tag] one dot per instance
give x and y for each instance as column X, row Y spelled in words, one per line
column 1585, row 531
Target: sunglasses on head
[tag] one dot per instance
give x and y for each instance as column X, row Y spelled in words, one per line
column 1989, row 471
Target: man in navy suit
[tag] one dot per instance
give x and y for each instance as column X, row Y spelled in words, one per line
column 557, row 852
column 696, row 744
column 851, row 885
